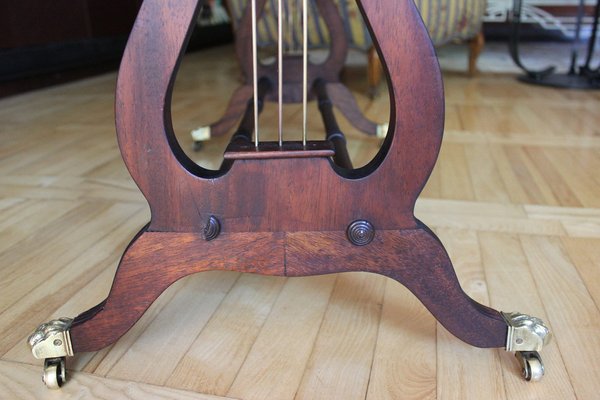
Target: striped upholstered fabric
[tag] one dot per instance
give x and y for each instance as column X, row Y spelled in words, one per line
column 446, row 20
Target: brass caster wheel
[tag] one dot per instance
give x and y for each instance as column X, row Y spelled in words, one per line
column 55, row 372
column 200, row 135
column 531, row 364
column 526, row 336
column 382, row 130
column 197, row 146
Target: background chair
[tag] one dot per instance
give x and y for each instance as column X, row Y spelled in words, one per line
column 446, row 20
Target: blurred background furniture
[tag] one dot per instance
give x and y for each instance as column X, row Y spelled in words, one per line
column 446, row 20
column 322, row 71
column 46, row 43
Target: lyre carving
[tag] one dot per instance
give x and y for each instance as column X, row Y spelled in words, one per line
column 306, row 226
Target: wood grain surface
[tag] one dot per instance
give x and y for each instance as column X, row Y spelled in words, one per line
column 529, row 242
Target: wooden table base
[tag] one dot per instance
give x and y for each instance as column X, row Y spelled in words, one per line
column 291, row 216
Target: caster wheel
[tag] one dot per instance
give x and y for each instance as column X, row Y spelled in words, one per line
column 382, row 130
column 532, row 367
column 197, row 146
column 199, row 136
column 55, row 373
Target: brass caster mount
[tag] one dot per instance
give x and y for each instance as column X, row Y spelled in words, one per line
column 51, row 342
column 526, row 337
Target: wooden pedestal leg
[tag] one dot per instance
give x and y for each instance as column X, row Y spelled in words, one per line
column 235, row 108
column 152, row 262
column 343, row 100
column 339, row 94
column 426, row 270
column 475, row 47
column 137, row 283
column 413, row 257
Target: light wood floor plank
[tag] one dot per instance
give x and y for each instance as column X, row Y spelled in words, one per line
column 404, row 363
column 214, row 359
column 26, row 274
column 454, row 179
column 15, row 383
column 577, row 178
column 513, row 286
column 39, row 303
column 341, row 359
column 514, row 196
column 585, row 255
column 102, row 362
column 520, row 138
column 538, row 189
column 571, row 311
column 174, row 329
column 553, row 178
column 276, row 362
column 487, row 182
column 463, row 371
column 511, row 177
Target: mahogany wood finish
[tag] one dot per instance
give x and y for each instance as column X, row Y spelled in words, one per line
column 283, row 216
column 271, row 150
column 413, row 257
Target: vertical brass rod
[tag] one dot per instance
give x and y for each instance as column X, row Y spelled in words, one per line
column 255, row 72
column 280, row 70
column 304, row 67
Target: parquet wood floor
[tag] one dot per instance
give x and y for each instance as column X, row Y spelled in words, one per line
column 515, row 197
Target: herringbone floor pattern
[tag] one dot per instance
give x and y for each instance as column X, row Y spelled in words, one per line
column 515, row 197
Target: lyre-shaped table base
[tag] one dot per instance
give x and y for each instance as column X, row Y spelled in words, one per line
column 328, row 219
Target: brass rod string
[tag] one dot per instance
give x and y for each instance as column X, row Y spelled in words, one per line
column 255, row 72
column 304, row 67
column 280, row 71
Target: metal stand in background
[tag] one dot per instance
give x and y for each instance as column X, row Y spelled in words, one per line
column 578, row 77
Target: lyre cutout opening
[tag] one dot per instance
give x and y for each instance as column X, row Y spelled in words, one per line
column 288, row 122
column 159, row 166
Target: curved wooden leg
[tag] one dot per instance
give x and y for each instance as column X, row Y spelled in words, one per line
column 475, row 47
column 343, row 100
column 137, row 283
column 415, row 258
column 152, row 262
column 374, row 71
column 235, row 108
column 426, row 270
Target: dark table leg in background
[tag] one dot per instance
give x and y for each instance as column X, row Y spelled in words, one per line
column 578, row 77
